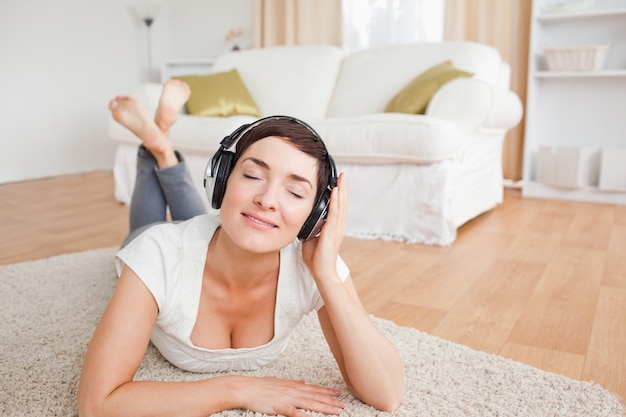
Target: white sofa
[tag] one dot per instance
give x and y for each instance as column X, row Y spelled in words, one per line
column 412, row 178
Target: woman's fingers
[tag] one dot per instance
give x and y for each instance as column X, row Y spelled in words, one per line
column 316, row 398
column 287, row 397
column 335, row 222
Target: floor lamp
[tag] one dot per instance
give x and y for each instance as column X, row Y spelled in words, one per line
column 147, row 12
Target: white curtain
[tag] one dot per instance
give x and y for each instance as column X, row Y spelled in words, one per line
column 368, row 23
column 297, row 22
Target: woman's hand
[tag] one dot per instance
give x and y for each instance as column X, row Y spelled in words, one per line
column 320, row 253
column 287, row 397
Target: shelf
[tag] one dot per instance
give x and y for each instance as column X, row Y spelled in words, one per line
column 575, row 108
column 589, row 194
column 580, row 74
column 554, row 17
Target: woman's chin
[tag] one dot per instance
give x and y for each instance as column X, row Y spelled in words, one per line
column 262, row 241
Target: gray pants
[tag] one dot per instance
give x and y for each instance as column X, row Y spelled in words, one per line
column 156, row 190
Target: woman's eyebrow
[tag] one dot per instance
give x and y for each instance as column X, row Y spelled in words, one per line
column 258, row 162
column 263, row 165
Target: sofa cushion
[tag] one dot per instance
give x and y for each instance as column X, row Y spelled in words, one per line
column 474, row 104
column 414, row 98
column 370, row 78
column 219, row 94
column 293, row 80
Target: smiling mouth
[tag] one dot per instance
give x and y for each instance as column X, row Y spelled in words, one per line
column 259, row 221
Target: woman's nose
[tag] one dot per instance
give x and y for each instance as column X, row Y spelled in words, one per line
column 266, row 198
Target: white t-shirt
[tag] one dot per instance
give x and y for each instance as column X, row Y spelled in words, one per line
column 169, row 258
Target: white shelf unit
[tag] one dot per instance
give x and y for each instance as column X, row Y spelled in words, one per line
column 586, row 110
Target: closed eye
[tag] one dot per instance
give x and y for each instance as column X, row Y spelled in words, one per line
column 298, row 196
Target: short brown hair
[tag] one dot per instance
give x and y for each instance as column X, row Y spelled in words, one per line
column 296, row 133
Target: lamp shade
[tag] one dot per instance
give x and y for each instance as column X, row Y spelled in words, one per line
column 146, row 11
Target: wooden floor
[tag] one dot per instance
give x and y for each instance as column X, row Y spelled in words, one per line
column 541, row 282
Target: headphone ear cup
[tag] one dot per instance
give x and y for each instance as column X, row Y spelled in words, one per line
column 209, row 181
column 316, row 219
column 220, row 178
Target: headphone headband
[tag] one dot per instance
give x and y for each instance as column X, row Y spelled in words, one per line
column 231, row 139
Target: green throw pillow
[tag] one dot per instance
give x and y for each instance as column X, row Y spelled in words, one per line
column 414, row 98
column 219, row 94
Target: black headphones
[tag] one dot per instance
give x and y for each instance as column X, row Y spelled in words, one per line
column 219, row 167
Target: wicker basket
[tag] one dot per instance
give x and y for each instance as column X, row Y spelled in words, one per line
column 580, row 58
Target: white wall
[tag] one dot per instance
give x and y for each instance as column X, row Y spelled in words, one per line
column 61, row 62
column 198, row 27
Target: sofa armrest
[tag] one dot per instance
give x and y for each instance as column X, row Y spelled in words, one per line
column 475, row 104
column 504, row 78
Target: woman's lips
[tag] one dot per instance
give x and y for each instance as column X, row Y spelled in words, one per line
column 256, row 220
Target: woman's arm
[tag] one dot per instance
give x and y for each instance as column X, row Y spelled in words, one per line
column 115, row 353
column 369, row 363
column 118, row 347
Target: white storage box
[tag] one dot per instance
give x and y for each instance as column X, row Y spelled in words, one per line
column 569, row 167
column 613, row 170
column 580, row 58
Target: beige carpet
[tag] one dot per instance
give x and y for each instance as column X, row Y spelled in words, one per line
column 48, row 310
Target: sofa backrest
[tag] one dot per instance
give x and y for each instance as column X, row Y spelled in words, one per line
column 293, row 80
column 369, row 79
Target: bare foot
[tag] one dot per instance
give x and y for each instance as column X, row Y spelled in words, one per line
column 128, row 112
column 175, row 94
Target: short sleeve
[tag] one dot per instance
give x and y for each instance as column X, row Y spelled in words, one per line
column 154, row 257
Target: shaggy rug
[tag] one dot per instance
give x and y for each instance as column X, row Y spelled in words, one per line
column 49, row 309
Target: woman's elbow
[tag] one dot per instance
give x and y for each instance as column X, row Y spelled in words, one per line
column 86, row 410
column 88, row 405
column 386, row 397
column 390, row 402
column 394, row 392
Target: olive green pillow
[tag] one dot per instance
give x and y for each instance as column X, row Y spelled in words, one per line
column 414, row 98
column 219, row 94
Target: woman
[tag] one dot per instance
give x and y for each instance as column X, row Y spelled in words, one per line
column 223, row 293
